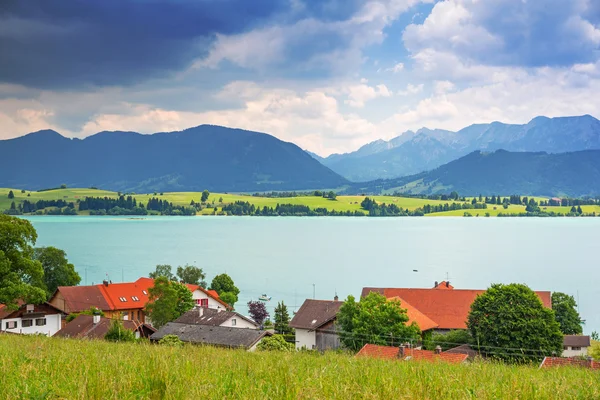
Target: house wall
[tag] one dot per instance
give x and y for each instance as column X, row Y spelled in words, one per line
column 53, row 325
column 239, row 323
column 326, row 337
column 58, row 301
column 212, row 303
column 306, row 338
column 569, row 352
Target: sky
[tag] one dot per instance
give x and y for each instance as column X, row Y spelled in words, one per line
column 328, row 75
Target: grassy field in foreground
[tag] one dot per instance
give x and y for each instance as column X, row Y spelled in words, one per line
column 343, row 203
column 50, row 368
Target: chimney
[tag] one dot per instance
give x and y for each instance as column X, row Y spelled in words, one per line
column 335, row 298
column 200, row 311
column 96, row 318
column 435, row 284
column 447, row 283
column 438, row 349
column 105, row 282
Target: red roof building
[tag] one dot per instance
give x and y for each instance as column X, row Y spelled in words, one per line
column 550, row 362
column 444, row 306
column 409, row 354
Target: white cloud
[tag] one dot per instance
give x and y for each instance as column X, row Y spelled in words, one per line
column 411, row 89
column 441, row 87
column 358, row 95
column 396, row 68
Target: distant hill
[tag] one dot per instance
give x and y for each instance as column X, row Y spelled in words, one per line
column 426, row 149
column 574, row 174
column 204, row 157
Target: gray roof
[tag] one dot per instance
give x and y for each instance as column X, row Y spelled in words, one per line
column 315, row 313
column 212, row 335
column 209, row 316
column 577, row 341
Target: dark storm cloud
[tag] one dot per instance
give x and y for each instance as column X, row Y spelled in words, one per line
column 69, row 44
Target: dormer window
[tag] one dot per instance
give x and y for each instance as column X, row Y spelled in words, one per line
column 135, row 298
column 123, row 299
column 146, row 293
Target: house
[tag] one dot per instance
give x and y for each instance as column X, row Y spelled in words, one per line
column 126, row 300
column 216, row 317
column 549, row 362
column 29, row 319
column 443, row 305
column 96, row 327
column 315, row 324
column 575, row 345
column 221, row 336
column 406, row 353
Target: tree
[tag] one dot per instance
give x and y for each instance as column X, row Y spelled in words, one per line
column 282, row 319
column 565, row 308
column 91, row 311
column 595, row 351
column 21, row 277
column 171, row 340
column 162, row 270
column 204, row 197
column 167, row 301
column 229, row 298
column 331, row 195
column 117, row 333
column 509, row 317
column 258, row 312
column 223, row 283
column 446, row 341
column 11, row 195
column 374, row 320
column 220, row 199
column 579, row 210
column 192, row 275
column 275, row 343
column 57, row 269
column 595, row 336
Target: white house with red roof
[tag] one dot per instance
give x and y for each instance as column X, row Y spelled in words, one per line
column 31, row 319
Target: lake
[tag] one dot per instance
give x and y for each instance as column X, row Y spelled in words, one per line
column 285, row 256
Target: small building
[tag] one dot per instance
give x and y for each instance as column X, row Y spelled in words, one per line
column 96, row 327
column 220, row 336
column 315, row 325
column 406, row 353
column 207, row 298
column 31, row 319
column 576, row 345
column 216, row 317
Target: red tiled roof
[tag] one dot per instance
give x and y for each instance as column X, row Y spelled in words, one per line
column 448, row 308
column 81, row 298
column 573, row 362
column 444, row 285
column 83, row 327
column 213, row 293
column 131, row 292
column 392, row 353
column 425, row 323
column 44, row 308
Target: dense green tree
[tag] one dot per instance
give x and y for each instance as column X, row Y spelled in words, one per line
column 220, row 199
column 117, row 333
column 275, row 343
column 509, row 322
column 574, row 210
column 205, row 195
column 192, row 275
column 223, row 283
column 331, row 195
column 565, row 308
column 229, row 298
column 11, row 195
column 167, row 301
column 374, row 320
column 21, row 277
column 163, row 270
column 579, row 210
column 258, row 311
column 446, row 341
column 58, row 271
column 282, row 319
column 595, row 336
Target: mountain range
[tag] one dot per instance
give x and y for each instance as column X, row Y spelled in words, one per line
column 572, row 174
column 204, row 157
column 427, row 149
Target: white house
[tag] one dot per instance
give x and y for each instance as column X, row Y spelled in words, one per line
column 207, row 298
column 216, row 317
column 575, row 345
column 315, row 325
column 31, row 319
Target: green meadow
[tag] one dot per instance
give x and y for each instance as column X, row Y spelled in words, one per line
column 342, row 203
column 51, row 368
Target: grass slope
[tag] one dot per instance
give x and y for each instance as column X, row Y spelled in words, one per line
column 44, row 368
column 343, row 203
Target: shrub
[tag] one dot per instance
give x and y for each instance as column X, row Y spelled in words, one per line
column 171, row 340
column 275, row 343
column 117, row 333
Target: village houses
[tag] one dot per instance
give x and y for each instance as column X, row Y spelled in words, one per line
column 28, row 319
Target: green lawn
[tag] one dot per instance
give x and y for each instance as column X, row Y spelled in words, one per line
column 52, row 368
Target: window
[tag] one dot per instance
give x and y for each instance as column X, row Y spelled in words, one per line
column 146, row 293
column 40, row 322
column 11, row 325
column 26, row 323
column 123, row 299
column 204, row 303
column 575, row 348
column 134, row 298
column 233, row 322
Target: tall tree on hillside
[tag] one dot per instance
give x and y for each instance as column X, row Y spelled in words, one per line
column 21, row 277
column 11, row 195
column 224, row 286
column 374, row 320
column 204, row 197
column 58, row 271
column 192, row 275
column 162, row 270
column 167, row 301
column 282, row 319
column 565, row 308
column 258, row 311
column 509, row 317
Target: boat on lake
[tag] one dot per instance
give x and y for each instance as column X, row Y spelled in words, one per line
column 264, row 297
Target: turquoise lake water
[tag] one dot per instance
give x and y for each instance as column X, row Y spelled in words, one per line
column 284, row 257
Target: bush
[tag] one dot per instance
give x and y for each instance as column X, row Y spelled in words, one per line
column 275, row 343
column 171, row 340
column 117, row 333
column 449, row 340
